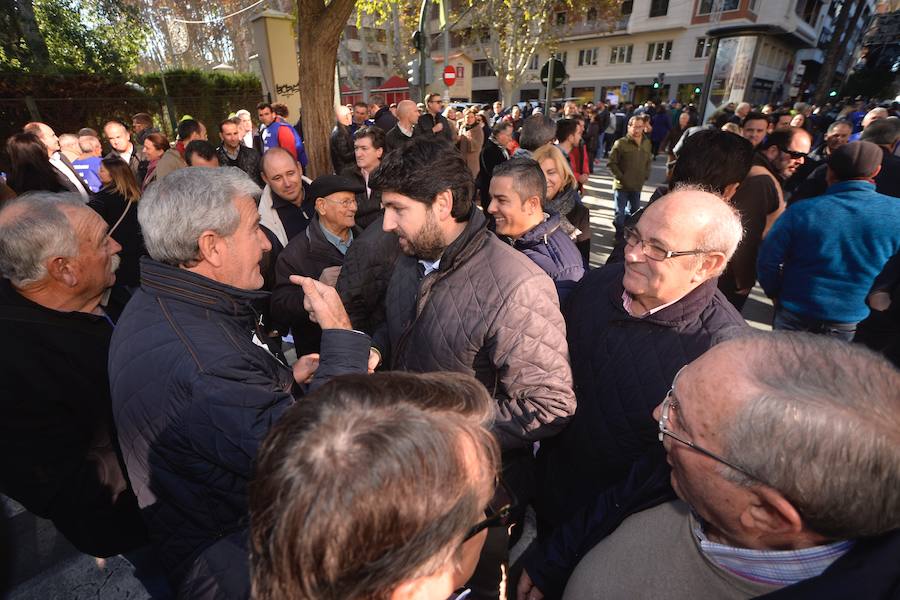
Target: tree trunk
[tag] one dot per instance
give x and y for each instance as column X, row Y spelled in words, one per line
column 507, row 90
column 836, row 48
column 319, row 30
column 34, row 39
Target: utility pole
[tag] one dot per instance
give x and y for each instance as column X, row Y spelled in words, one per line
column 446, row 26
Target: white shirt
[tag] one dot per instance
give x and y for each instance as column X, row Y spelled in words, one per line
column 404, row 130
column 248, row 139
column 63, row 168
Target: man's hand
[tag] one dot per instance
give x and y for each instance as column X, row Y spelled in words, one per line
column 526, row 589
column 322, row 303
column 374, row 359
column 330, row 275
column 305, row 368
column 583, row 178
column 438, row 128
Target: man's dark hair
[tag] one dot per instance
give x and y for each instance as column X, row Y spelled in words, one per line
column 366, row 484
column 263, row 105
column 527, row 177
column 500, row 126
column 232, row 120
column 361, row 104
column 565, row 128
column 782, row 137
column 537, row 131
column 375, row 134
column 200, row 148
column 700, row 161
column 754, row 116
column 425, row 168
column 187, row 128
column 280, row 109
column 143, row 118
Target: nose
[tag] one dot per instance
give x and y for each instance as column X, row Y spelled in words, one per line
column 389, row 225
column 114, row 246
column 634, row 253
column 657, row 412
column 492, row 207
column 266, row 245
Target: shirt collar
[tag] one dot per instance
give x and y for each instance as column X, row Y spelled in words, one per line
column 773, row 567
column 430, row 265
column 335, row 240
column 404, row 130
column 629, row 305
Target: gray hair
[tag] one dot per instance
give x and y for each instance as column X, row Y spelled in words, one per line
column 176, row 210
column 823, row 428
column 33, row 230
column 883, row 132
column 725, row 229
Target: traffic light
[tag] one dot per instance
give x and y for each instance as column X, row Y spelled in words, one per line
column 412, row 71
column 832, row 93
column 661, row 77
column 655, row 83
column 697, row 89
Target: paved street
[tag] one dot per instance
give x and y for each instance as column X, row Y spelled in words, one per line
column 47, row 567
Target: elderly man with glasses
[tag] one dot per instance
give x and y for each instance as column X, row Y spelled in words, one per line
column 786, row 482
column 433, row 123
column 631, row 327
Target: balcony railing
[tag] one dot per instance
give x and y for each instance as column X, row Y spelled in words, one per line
column 597, row 27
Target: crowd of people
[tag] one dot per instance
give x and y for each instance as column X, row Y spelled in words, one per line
column 375, row 383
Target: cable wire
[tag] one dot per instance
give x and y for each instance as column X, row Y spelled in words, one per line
column 217, row 19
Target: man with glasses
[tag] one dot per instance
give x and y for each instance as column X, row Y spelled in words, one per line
column 630, row 328
column 317, row 253
column 433, row 123
column 760, row 200
column 786, row 481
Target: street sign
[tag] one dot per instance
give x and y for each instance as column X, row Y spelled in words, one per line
column 449, row 75
column 623, row 89
column 559, row 73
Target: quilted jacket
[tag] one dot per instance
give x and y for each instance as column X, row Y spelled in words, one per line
column 622, row 367
column 490, row 312
column 554, row 252
column 364, row 278
column 193, row 397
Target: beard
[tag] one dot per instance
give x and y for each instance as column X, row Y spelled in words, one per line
column 428, row 244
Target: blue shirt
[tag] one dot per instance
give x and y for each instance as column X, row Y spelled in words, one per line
column 823, row 254
column 89, row 169
column 335, row 240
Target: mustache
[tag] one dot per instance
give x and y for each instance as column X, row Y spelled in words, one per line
column 114, row 263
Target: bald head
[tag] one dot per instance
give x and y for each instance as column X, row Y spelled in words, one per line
column 874, row 115
column 343, row 115
column 45, row 134
column 407, row 113
column 118, row 136
column 68, row 145
column 742, row 110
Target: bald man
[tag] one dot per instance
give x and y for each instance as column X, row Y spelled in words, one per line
column 120, row 140
column 876, row 114
column 342, row 154
column 399, row 135
column 631, row 327
column 69, row 176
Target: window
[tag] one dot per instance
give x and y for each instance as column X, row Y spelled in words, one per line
column 627, row 7
column 657, row 51
column 481, row 68
column 808, row 10
column 352, row 33
column 535, row 63
column 703, row 46
column 591, row 15
column 706, row 6
column 372, row 59
column 659, row 8
column 751, row 6
column 620, row 54
column 588, row 57
column 560, row 18
column 354, row 58
column 561, row 57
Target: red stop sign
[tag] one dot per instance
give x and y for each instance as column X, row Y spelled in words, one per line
column 449, row 75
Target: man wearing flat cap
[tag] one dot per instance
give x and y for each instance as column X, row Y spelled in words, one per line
column 318, row 252
column 821, row 257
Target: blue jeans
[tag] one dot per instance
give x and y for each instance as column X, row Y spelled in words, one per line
column 786, row 320
column 601, row 146
column 627, row 203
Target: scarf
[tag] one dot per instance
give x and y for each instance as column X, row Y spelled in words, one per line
column 562, row 204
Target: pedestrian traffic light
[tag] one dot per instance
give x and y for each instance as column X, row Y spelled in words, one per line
column 832, row 93
column 697, row 90
column 655, row 83
column 412, row 71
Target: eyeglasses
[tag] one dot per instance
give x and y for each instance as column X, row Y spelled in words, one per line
column 651, row 250
column 345, row 203
column 793, row 153
column 670, row 403
column 435, row 102
column 497, row 511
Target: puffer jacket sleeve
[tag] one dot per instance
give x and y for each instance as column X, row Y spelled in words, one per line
column 527, row 345
column 229, row 417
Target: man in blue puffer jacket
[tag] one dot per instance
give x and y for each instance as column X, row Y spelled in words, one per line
column 518, row 193
column 195, row 388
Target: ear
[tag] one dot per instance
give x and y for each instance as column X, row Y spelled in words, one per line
column 443, row 204
column 320, row 206
column 712, row 262
column 211, row 246
column 64, row 270
column 439, row 585
column 730, row 190
column 379, row 152
column 533, row 205
column 770, row 514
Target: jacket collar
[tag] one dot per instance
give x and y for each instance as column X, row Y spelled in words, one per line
column 851, row 185
column 538, row 234
column 686, row 310
column 166, row 281
column 468, row 242
column 12, row 300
